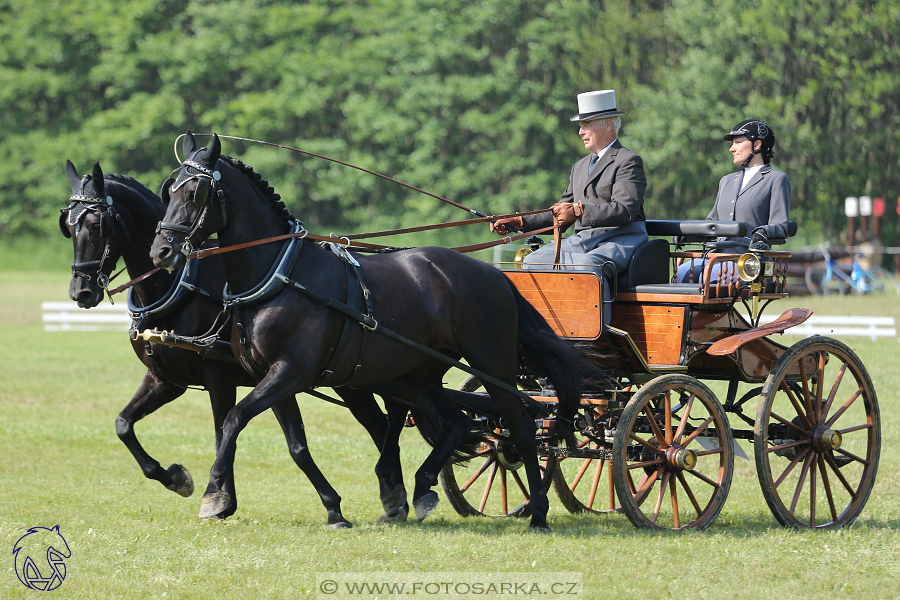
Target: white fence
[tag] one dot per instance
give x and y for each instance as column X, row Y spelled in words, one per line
column 66, row 316
column 838, row 327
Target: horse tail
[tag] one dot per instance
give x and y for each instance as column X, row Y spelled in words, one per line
column 433, row 433
column 549, row 356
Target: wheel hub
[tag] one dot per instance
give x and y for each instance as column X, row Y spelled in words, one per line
column 508, row 456
column 825, row 439
column 682, row 459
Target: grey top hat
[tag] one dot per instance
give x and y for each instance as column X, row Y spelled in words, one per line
column 596, row 105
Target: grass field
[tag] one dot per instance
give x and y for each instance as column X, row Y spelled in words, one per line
column 130, row 538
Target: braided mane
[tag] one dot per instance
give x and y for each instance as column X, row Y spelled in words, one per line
column 277, row 205
column 131, row 182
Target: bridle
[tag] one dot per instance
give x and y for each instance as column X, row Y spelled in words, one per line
column 207, row 183
column 108, row 217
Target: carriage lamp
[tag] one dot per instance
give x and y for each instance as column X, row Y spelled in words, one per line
column 750, row 266
column 520, row 257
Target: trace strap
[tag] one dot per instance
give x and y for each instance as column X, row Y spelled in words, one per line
column 371, row 324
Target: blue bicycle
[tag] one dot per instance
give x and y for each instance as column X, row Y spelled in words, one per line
column 834, row 278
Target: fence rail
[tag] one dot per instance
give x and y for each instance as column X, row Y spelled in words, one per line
column 839, row 326
column 66, row 316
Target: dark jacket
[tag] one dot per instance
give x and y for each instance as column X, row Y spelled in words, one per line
column 765, row 201
column 612, row 195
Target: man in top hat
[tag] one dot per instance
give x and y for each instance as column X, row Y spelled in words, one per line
column 604, row 199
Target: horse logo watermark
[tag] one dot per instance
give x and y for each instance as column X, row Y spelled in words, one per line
column 40, row 557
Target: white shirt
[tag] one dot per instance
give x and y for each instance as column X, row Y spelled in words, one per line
column 602, row 152
column 749, row 174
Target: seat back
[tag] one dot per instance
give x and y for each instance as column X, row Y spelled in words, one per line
column 648, row 264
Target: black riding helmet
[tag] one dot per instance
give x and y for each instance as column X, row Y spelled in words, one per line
column 754, row 129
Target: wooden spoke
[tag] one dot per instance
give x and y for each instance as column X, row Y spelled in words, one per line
column 594, row 484
column 805, row 387
column 787, row 445
column 839, row 475
column 581, row 471
column 853, row 456
column 660, row 496
column 469, row 457
column 698, row 431
column 703, row 478
column 802, row 480
column 791, row 466
column 824, row 472
column 844, row 408
column 834, row 389
column 646, row 463
column 647, row 444
column 855, row 428
column 690, row 494
column 503, row 502
column 684, row 419
column 477, row 474
column 781, row 419
column 812, row 490
column 487, row 487
column 655, row 427
column 521, row 485
column 667, row 410
column 799, row 409
column 710, row 451
column 674, row 495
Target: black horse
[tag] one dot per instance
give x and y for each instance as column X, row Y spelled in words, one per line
column 450, row 303
column 113, row 216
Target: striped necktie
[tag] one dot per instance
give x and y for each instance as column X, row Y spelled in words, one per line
column 594, row 160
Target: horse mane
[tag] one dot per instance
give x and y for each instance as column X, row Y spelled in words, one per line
column 131, row 182
column 277, row 205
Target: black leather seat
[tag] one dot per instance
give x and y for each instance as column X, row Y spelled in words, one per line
column 648, row 265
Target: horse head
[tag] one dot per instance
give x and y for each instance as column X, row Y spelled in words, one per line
column 40, row 558
column 100, row 229
column 194, row 205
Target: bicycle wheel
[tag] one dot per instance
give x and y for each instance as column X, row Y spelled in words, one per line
column 816, row 278
column 888, row 284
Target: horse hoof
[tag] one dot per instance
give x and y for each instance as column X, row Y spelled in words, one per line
column 182, row 482
column 426, row 505
column 543, row 529
column 340, row 525
column 397, row 516
column 214, row 505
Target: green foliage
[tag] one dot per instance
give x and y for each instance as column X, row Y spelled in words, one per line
column 467, row 100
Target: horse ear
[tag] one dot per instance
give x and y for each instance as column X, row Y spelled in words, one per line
column 164, row 192
column 105, row 225
column 63, row 215
column 201, row 193
column 189, row 145
column 97, row 177
column 215, row 151
column 72, row 174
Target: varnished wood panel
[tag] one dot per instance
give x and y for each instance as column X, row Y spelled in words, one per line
column 657, row 331
column 571, row 302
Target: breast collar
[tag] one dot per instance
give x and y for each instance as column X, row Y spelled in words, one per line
column 274, row 281
column 174, row 299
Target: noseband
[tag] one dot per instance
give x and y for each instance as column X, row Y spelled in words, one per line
column 191, row 231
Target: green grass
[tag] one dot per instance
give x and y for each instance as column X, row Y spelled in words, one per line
column 63, row 464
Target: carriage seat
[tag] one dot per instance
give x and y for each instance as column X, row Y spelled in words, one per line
column 648, row 265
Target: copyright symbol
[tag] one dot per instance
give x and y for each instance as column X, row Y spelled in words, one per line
column 329, row 586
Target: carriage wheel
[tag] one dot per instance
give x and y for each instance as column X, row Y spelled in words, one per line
column 492, row 482
column 817, row 435
column 673, row 434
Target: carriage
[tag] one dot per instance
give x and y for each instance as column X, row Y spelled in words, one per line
column 648, row 436
column 656, row 442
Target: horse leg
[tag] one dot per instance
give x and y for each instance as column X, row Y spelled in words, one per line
column 291, row 421
column 385, row 432
column 278, row 385
column 388, row 468
column 151, row 395
column 522, row 430
column 436, row 406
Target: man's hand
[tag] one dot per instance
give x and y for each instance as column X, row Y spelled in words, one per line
column 567, row 212
column 759, row 239
column 504, row 226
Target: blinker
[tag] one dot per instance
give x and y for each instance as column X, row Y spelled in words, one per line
column 201, row 193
